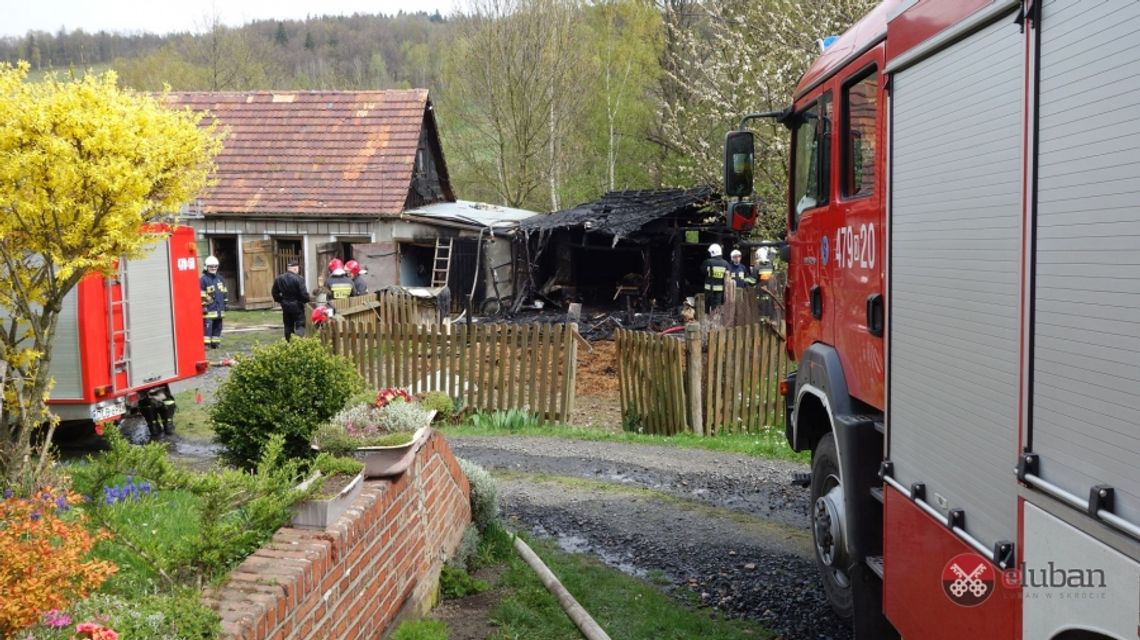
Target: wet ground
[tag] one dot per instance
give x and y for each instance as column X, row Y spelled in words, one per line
column 722, row 530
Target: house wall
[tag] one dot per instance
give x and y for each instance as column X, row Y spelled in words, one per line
column 312, row 232
column 380, row 561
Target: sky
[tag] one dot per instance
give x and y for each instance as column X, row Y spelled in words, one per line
column 165, row 16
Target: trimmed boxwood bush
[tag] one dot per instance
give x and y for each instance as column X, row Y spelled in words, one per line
column 289, row 387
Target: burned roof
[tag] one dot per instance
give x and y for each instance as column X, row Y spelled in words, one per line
column 621, row 213
column 313, row 152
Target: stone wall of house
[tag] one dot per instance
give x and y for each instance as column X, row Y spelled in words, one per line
column 352, row 581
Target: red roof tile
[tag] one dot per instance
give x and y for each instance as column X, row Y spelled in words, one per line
column 312, row 152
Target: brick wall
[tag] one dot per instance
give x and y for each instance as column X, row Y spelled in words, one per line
column 353, row 580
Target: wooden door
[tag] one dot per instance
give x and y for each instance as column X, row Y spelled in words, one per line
column 258, row 262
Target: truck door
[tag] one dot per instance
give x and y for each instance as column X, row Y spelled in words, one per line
column 809, row 237
column 856, row 268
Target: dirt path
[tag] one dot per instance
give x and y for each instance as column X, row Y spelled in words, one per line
column 727, row 530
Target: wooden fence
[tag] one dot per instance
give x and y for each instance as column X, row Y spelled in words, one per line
column 381, row 308
column 726, row 382
column 651, row 374
column 489, row 366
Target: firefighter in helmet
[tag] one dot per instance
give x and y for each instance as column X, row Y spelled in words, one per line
column 741, row 274
column 339, row 285
column 353, row 270
column 714, row 269
column 213, row 290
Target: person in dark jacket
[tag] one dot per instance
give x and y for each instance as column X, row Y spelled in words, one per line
column 714, row 269
column 741, row 275
column 339, row 285
column 353, row 270
column 289, row 292
column 213, row 290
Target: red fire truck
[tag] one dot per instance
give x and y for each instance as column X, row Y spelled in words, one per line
column 121, row 341
column 964, row 303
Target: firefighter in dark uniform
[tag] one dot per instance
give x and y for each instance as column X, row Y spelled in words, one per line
column 289, row 292
column 353, row 270
column 339, row 285
column 741, row 274
column 714, row 268
column 213, row 291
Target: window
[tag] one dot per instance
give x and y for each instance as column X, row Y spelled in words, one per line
column 861, row 104
column 811, row 142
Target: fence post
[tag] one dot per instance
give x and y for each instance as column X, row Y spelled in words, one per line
column 693, row 344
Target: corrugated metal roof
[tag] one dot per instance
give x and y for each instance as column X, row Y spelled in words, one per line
column 620, row 213
column 477, row 214
column 312, row 152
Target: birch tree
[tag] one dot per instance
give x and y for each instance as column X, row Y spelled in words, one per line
column 84, row 166
column 512, row 88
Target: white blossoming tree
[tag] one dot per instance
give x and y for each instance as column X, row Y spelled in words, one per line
column 733, row 57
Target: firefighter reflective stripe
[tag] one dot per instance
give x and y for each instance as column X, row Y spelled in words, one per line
column 341, row 290
column 715, row 279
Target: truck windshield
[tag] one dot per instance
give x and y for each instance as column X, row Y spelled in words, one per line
column 810, row 141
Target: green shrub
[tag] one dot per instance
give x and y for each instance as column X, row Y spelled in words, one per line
column 439, row 402
column 289, row 387
column 421, row 630
column 468, row 547
column 331, row 465
column 511, row 421
column 455, row 582
column 189, row 527
column 144, row 617
column 484, row 495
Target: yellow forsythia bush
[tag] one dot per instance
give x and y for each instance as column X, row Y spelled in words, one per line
column 42, row 549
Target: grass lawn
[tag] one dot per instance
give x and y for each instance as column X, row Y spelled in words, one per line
column 626, row 607
column 769, row 444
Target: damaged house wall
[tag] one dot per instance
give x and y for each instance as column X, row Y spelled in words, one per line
column 648, row 245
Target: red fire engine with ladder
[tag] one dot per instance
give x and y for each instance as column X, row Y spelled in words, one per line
column 963, row 300
column 120, row 342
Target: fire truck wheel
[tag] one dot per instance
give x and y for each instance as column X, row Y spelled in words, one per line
column 829, row 527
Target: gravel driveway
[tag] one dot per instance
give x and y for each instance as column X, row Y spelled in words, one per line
column 727, row 530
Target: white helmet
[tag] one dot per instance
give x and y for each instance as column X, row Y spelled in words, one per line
column 714, row 250
column 211, row 262
column 736, row 253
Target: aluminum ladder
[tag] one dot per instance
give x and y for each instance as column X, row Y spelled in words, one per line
column 441, row 265
column 120, row 332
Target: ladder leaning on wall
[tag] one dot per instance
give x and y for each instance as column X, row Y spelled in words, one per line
column 441, row 266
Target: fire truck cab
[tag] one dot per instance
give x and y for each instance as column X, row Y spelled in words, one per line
column 963, row 300
column 121, row 341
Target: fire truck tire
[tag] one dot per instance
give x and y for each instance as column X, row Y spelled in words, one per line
column 829, row 527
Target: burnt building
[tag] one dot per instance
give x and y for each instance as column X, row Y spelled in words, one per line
column 644, row 245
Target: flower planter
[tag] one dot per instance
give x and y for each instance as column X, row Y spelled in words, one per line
column 319, row 513
column 383, row 462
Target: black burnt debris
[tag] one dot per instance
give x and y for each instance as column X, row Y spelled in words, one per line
column 632, row 251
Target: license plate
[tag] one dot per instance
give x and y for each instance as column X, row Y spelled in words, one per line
column 107, row 412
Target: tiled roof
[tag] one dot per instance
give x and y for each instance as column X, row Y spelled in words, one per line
column 312, row 152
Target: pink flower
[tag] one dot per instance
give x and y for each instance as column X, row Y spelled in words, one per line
column 56, row 619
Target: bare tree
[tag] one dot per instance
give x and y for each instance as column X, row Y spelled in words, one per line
column 515, row 81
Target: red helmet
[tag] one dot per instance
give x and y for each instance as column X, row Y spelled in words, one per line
column 335, row 264
column 321, row 314
column 352, row 267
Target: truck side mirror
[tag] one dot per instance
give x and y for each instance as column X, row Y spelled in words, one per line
column 742, row 216
column 739, row 155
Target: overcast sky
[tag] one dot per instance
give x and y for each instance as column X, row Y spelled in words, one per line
column 165, row 16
